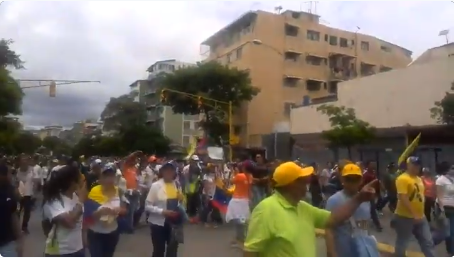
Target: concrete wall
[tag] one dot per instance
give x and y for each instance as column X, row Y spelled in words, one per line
column 392, row 99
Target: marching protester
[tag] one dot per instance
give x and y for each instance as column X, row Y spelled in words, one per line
column 292, row 220
column 260, row 179
column 209, row 190
column 166, row 213
column 389, row 185
column 192, row 172
column 64, row 196
column 369, row 175
column 25, row 177
column 92, row 178
column 102, row 208
column 238, row 209
column 11, row 240
column 445, row 201
column 132, row 194
column 430, row 192
column 409, row 216
column 340, row 239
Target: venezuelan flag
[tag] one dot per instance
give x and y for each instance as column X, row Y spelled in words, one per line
column 222, row 197
column 96, row 199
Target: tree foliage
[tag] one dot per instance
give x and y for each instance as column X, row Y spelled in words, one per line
column 143, row 138
column 122, row 113
column 56, row 145
column 210, row 80
column 346, row 129
column 10, row 92
column 443, row 110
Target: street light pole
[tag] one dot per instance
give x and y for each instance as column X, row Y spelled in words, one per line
column 230, row 113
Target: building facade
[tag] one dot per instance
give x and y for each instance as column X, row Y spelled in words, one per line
column 179, row 128
column 295, row 60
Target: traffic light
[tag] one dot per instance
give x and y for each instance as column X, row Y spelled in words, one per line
column 199, row 102
column 52, row 89
column 163, row 96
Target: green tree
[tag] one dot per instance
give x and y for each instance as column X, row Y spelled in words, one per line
column 26, row 142
column 10, row 92
column 211, row 80
column 346, row 129
column 443, row 110
column 9, row 129
column 56, row 145
column 147, row 139
column 123, row 112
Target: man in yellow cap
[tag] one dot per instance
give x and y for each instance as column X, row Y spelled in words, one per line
column 339, row 239
column 284, row 226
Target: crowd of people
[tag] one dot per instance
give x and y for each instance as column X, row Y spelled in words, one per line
column 88, row 203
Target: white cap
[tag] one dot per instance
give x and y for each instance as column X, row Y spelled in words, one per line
column 195, row 157
column 98, row 161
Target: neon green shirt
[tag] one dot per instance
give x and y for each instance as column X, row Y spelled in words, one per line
column 279, row 229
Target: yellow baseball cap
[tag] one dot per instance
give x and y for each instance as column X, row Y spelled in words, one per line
column 288, row 172
column 351, row 169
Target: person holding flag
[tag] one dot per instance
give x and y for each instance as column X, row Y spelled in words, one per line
column 102, row 210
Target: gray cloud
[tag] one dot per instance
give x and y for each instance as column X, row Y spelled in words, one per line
column 114, row 42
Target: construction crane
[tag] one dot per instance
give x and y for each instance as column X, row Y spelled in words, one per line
column 52, row 84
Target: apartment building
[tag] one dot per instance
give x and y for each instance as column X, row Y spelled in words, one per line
column 179, row 128
column 295, row 60
column 138, row 89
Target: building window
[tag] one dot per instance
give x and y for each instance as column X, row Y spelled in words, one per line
column 385, row 48
column 288, row 107
column 313, row 35
column 290, row 82
column 239, row 52
column 187, row 125
column 365, row 45
column 352, row 42
column 315, row 60
column 291, row 30
column 343, row 42
column 290, row 56
column 229, row 58
column 333, row 40
column 186, row 140
column 296, row 15
column 326, row 37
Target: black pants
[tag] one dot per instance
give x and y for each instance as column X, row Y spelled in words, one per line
column 429, row 205
column 102, row 245
column 193, row 203
column 161, row 237
column 26, row 204
column 209, row 208
column 374, row 214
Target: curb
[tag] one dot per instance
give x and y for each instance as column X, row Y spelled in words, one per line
column 383, row 248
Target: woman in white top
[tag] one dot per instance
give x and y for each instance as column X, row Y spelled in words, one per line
column 64, row 195
column 103, row 234
column 445, row 200
column 166, row 213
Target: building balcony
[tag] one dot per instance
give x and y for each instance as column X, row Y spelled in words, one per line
column 150, row 92
column 342, row 75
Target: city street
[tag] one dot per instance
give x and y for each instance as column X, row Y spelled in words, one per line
column 199, row 241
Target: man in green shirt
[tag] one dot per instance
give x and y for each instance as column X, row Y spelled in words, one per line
column 284, row 226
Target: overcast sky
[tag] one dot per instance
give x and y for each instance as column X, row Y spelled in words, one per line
column 115, row 41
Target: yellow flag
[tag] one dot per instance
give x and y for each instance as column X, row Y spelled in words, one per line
column 410, row 148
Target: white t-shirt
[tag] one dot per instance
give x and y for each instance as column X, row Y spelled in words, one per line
column 44, row 172
column 107, row 224
column 26, row 177
column 37, row 172
column 447, row 182
column 67, row 240
column 209, row 185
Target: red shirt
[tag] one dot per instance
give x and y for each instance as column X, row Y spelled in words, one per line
column 369, row 176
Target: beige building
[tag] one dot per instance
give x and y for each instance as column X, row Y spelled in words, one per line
column 395, row 99
column 295, row 60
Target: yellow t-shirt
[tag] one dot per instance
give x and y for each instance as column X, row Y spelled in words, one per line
column 171, row 191
column 279, row 229
column 413, row 187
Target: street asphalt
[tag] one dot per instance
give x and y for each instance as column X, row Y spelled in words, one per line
column 199, row 241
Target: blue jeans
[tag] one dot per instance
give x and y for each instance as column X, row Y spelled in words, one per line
column 134, row 202
column 450, row 239
column 102, row 245
column 405, row 228
column 8, row 250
